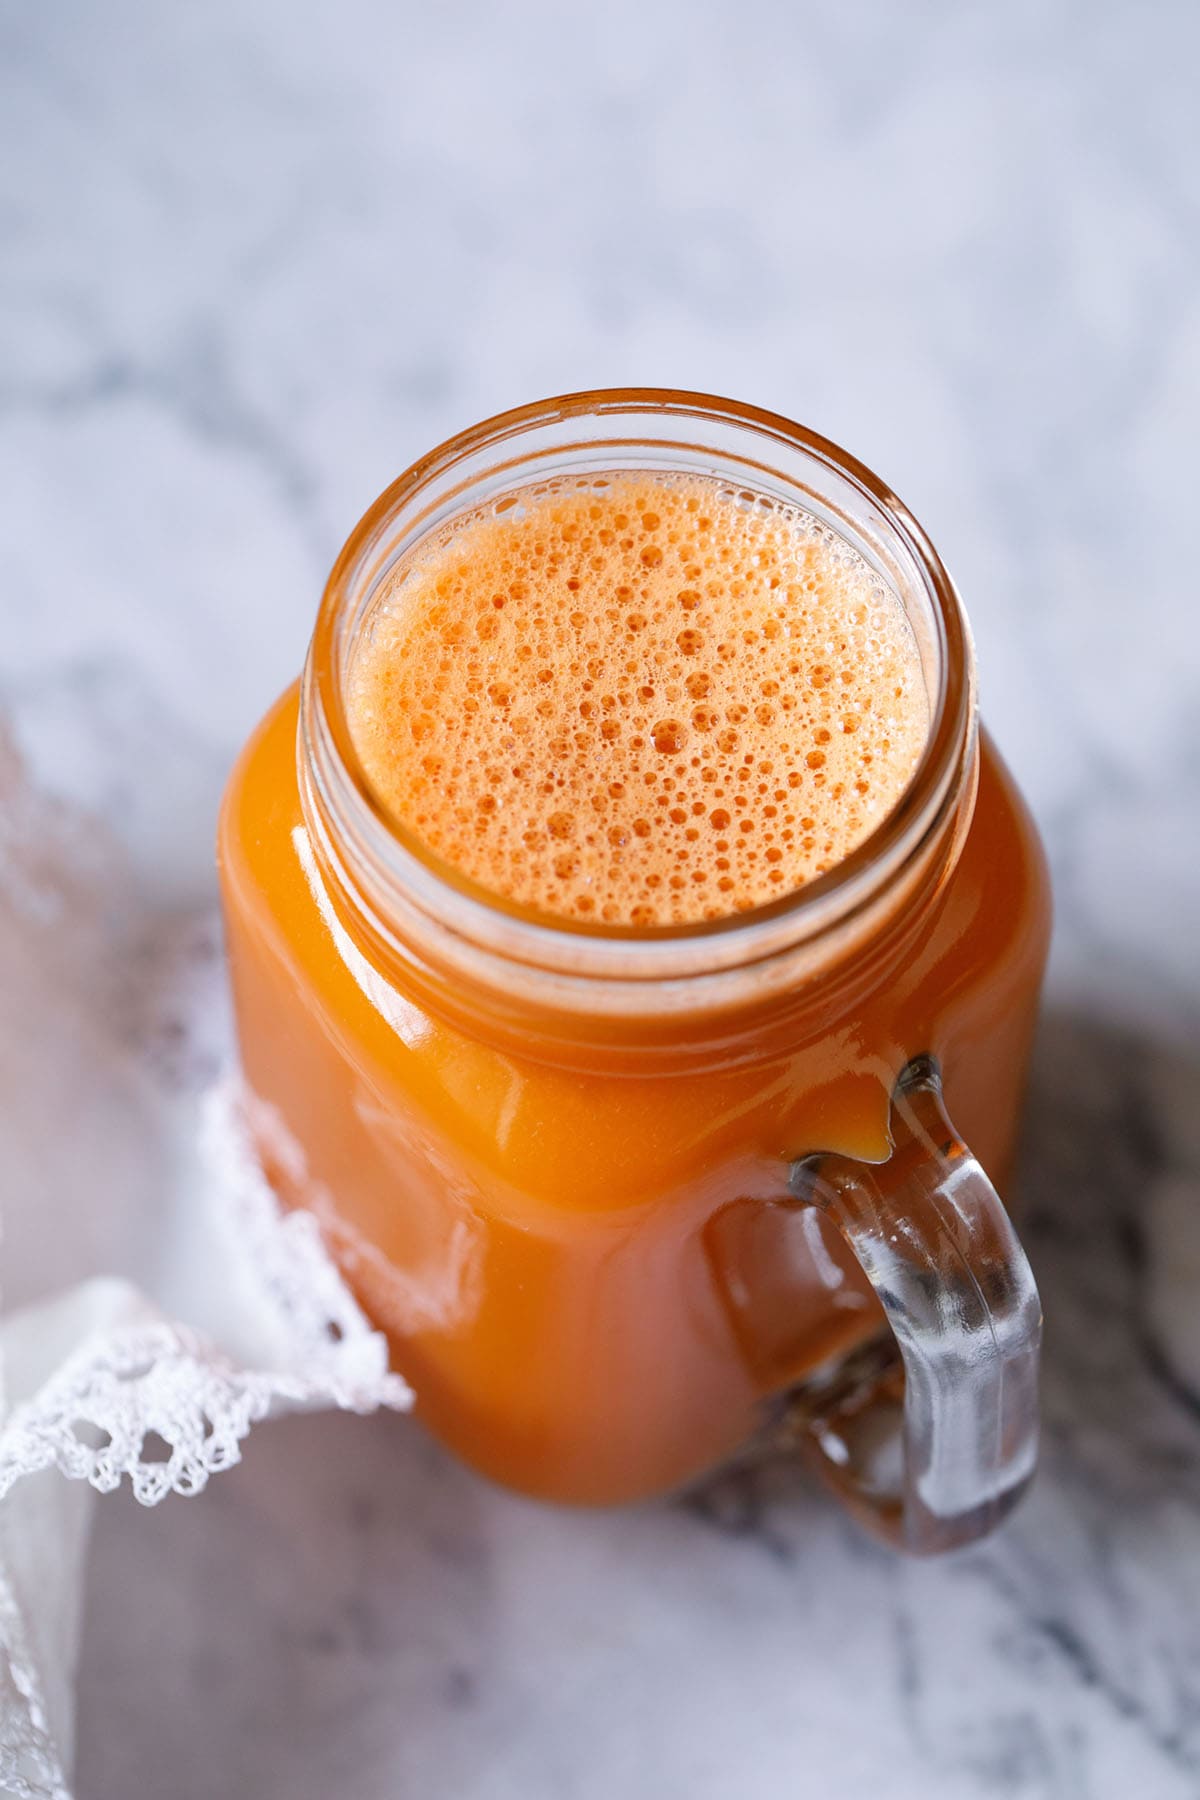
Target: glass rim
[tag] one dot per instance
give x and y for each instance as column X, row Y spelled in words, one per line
column 404, row 869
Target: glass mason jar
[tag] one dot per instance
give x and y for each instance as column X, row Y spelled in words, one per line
column 626, row 1201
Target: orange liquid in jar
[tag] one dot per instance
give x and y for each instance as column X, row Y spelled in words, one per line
column 643, row 702
column 576, row 1239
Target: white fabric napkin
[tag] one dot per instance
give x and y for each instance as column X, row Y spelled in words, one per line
column 156, row 1303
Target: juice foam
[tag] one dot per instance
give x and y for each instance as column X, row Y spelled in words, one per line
column 638, row 699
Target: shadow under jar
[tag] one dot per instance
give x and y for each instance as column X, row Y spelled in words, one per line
column 628, row 1201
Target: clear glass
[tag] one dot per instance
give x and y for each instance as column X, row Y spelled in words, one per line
column 763, row 1090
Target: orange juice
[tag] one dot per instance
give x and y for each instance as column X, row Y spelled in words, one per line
column 548, row 1141
column 639, row 700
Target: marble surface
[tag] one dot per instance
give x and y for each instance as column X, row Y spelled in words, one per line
column 255, row 258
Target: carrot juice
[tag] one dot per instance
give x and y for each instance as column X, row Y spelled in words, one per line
column 630, row 832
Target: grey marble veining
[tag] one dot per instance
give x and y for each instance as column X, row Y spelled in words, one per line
column 253, row 259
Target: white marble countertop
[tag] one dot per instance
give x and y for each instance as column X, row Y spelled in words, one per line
column 255, row 258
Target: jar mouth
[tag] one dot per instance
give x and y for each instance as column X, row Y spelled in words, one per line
column 408, row 887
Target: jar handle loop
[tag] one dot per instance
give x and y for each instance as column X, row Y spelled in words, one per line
column 932, row 1448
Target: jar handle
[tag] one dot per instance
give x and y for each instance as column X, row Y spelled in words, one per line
column 930, row 1451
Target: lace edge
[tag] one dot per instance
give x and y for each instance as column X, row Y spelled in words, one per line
column 30, row 1766
column 127, row 1389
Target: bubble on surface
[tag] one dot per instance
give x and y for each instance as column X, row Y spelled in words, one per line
column 567, row 693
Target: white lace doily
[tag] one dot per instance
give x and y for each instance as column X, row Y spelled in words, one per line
column 144, row 1399
column 125, row 1156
